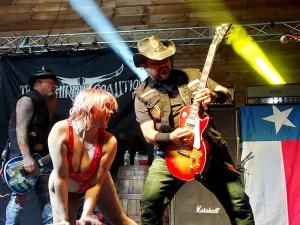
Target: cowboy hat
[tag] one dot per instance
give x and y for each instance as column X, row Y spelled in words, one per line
column 153, row 48
column 41, row 74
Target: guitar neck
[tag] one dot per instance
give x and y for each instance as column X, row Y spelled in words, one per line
column 191, row 120
column 44, row 160
column 207, row 66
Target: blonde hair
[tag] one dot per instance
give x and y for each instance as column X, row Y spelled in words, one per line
column 87, row 101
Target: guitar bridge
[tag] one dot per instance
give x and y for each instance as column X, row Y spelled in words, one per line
column 183, row 153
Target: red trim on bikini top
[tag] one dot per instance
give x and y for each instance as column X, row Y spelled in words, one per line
column 87, row 175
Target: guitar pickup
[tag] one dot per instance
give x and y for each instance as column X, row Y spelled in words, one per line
column 183, row 153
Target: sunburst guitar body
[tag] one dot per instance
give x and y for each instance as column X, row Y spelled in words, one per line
column 184, row 162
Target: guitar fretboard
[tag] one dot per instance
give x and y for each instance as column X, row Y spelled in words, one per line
column 221, row 31
column 207, row 65
column 191, row 120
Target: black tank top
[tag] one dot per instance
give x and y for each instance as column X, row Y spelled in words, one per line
column 38, row 129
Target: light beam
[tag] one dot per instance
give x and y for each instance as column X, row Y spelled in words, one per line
column 216, row 12
column 97, row 20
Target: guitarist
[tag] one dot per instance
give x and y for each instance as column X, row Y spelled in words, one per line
column 158, row 102
column 29, row 127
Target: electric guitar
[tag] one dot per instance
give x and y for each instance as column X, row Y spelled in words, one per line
column 184, row 162
column 17, row 179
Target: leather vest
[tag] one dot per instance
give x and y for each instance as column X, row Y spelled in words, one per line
column 38, row 129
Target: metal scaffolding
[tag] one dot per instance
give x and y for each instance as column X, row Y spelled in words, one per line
column 182, row 36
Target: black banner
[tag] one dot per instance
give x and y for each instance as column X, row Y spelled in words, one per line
column 76, row 71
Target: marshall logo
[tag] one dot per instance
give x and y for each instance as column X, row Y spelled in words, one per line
column 69, row 87
column 203, row 210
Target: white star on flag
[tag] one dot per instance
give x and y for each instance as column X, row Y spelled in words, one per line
column 280, row 118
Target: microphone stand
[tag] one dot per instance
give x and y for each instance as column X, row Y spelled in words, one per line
column 240, row 167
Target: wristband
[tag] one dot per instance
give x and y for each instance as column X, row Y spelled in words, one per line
column 162, row 138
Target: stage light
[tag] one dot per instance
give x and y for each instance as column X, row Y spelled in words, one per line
column 238, row 38
column 97, row 20
column 249, row 50
column 269, row 71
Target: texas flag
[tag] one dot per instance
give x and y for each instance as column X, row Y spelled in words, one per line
column 272, row 176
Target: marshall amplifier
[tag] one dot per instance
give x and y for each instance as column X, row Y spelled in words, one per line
column 193, row 204
column 273, row 94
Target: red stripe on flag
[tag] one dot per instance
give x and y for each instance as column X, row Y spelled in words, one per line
column 291, row 159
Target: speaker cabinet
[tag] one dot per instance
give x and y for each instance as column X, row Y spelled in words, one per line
column 227, row 122
column 194, row 204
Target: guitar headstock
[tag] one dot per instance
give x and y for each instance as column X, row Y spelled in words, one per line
column 220, row 33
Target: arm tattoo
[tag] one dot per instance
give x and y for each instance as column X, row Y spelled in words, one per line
column 24, row 113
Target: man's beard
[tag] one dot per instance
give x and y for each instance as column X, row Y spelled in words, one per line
column 163, row 73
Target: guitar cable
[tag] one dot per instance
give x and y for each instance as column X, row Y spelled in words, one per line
column 4, row 156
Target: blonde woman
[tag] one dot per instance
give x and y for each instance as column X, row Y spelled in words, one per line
column 82, row 152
